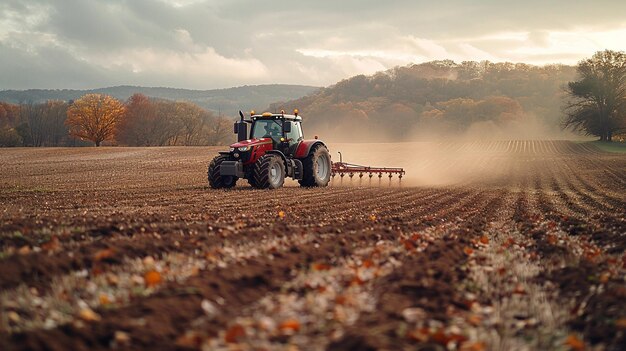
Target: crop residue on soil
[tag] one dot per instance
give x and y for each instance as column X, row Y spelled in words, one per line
column 484, row 246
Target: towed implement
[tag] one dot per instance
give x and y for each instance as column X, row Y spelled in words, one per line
column 343, row 168
column 275, row 149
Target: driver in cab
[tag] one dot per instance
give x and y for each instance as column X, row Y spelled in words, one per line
column 272, row 131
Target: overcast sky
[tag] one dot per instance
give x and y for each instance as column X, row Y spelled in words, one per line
column 205, row 44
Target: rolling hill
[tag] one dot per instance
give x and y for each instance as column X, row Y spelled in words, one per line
column 440, row 99
column 228, row 101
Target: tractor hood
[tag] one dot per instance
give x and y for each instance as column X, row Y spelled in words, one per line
column 252, row 142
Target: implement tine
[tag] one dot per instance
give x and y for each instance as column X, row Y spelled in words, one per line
column 342, row 168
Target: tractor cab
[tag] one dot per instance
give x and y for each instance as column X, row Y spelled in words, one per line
column 284, row 131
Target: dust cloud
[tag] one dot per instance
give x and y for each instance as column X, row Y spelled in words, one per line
column 485, row 153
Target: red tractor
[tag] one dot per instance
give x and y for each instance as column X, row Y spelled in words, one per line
column 274, row 149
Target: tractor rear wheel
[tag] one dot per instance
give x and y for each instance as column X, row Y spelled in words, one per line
column 317, row 168
column 268, row 172
column 216, row 180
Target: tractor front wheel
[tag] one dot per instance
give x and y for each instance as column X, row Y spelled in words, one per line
column 269, row 172
column 216, row 180
column 317, row 168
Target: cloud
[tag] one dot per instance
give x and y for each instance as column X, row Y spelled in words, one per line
column 212, row 43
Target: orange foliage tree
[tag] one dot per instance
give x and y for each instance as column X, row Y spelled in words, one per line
column 94, row 117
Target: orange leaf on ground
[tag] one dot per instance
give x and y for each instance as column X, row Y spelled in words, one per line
column 469, row 303
column 458, row 338
column 474, row 346
column 290, row 325
column 281, row 214
column 468, row 250
column 88, row 315
column 103, row 254
column 443, row 338
column 190, row 340
column 519, row 289
column 484, row 240
column 508, row 243
column 233, row 333
column 475, row 319
column 104, row 299
column 604, row 277
column 372, row 218
column 552, row 239
column 152, row 278
column 357, row 280
column 320, row 267
column 574, row 343
column 416, row 237
column 409, row 245
column 52, row 245
column 367, row 263
column 419, row 335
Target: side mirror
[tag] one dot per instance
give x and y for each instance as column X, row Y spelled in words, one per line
column 236, row 127
column 287, row 127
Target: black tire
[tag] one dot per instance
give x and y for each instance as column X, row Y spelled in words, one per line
column 268, row 172
column 312, row 174
column 216, row 180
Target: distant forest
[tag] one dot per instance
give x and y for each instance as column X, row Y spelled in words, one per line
column 151, row 117
column 439, row 98
column 226, row 102
column 98, row 118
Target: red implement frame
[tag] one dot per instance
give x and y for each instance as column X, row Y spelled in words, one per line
column 343, row 168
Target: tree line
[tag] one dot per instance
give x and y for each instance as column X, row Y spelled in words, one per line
column 97, row 119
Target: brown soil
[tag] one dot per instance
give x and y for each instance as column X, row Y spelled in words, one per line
column 81, row 228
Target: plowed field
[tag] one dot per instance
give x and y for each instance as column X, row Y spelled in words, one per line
column 512, row 245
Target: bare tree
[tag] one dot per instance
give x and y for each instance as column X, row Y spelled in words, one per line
column 33, row 115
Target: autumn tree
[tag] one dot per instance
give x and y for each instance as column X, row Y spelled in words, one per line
column 9, row 118
column 158, row 122
column 148, row 122
column 597, row 104
column 94, row 117
column 134, row 129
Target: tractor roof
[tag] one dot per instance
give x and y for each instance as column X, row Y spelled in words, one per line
column 268, row 115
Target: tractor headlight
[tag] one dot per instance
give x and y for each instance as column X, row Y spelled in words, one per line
column 244, row 148
column 232, row 149
column 236, row 155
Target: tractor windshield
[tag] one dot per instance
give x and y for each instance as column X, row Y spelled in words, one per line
column 267, row 128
